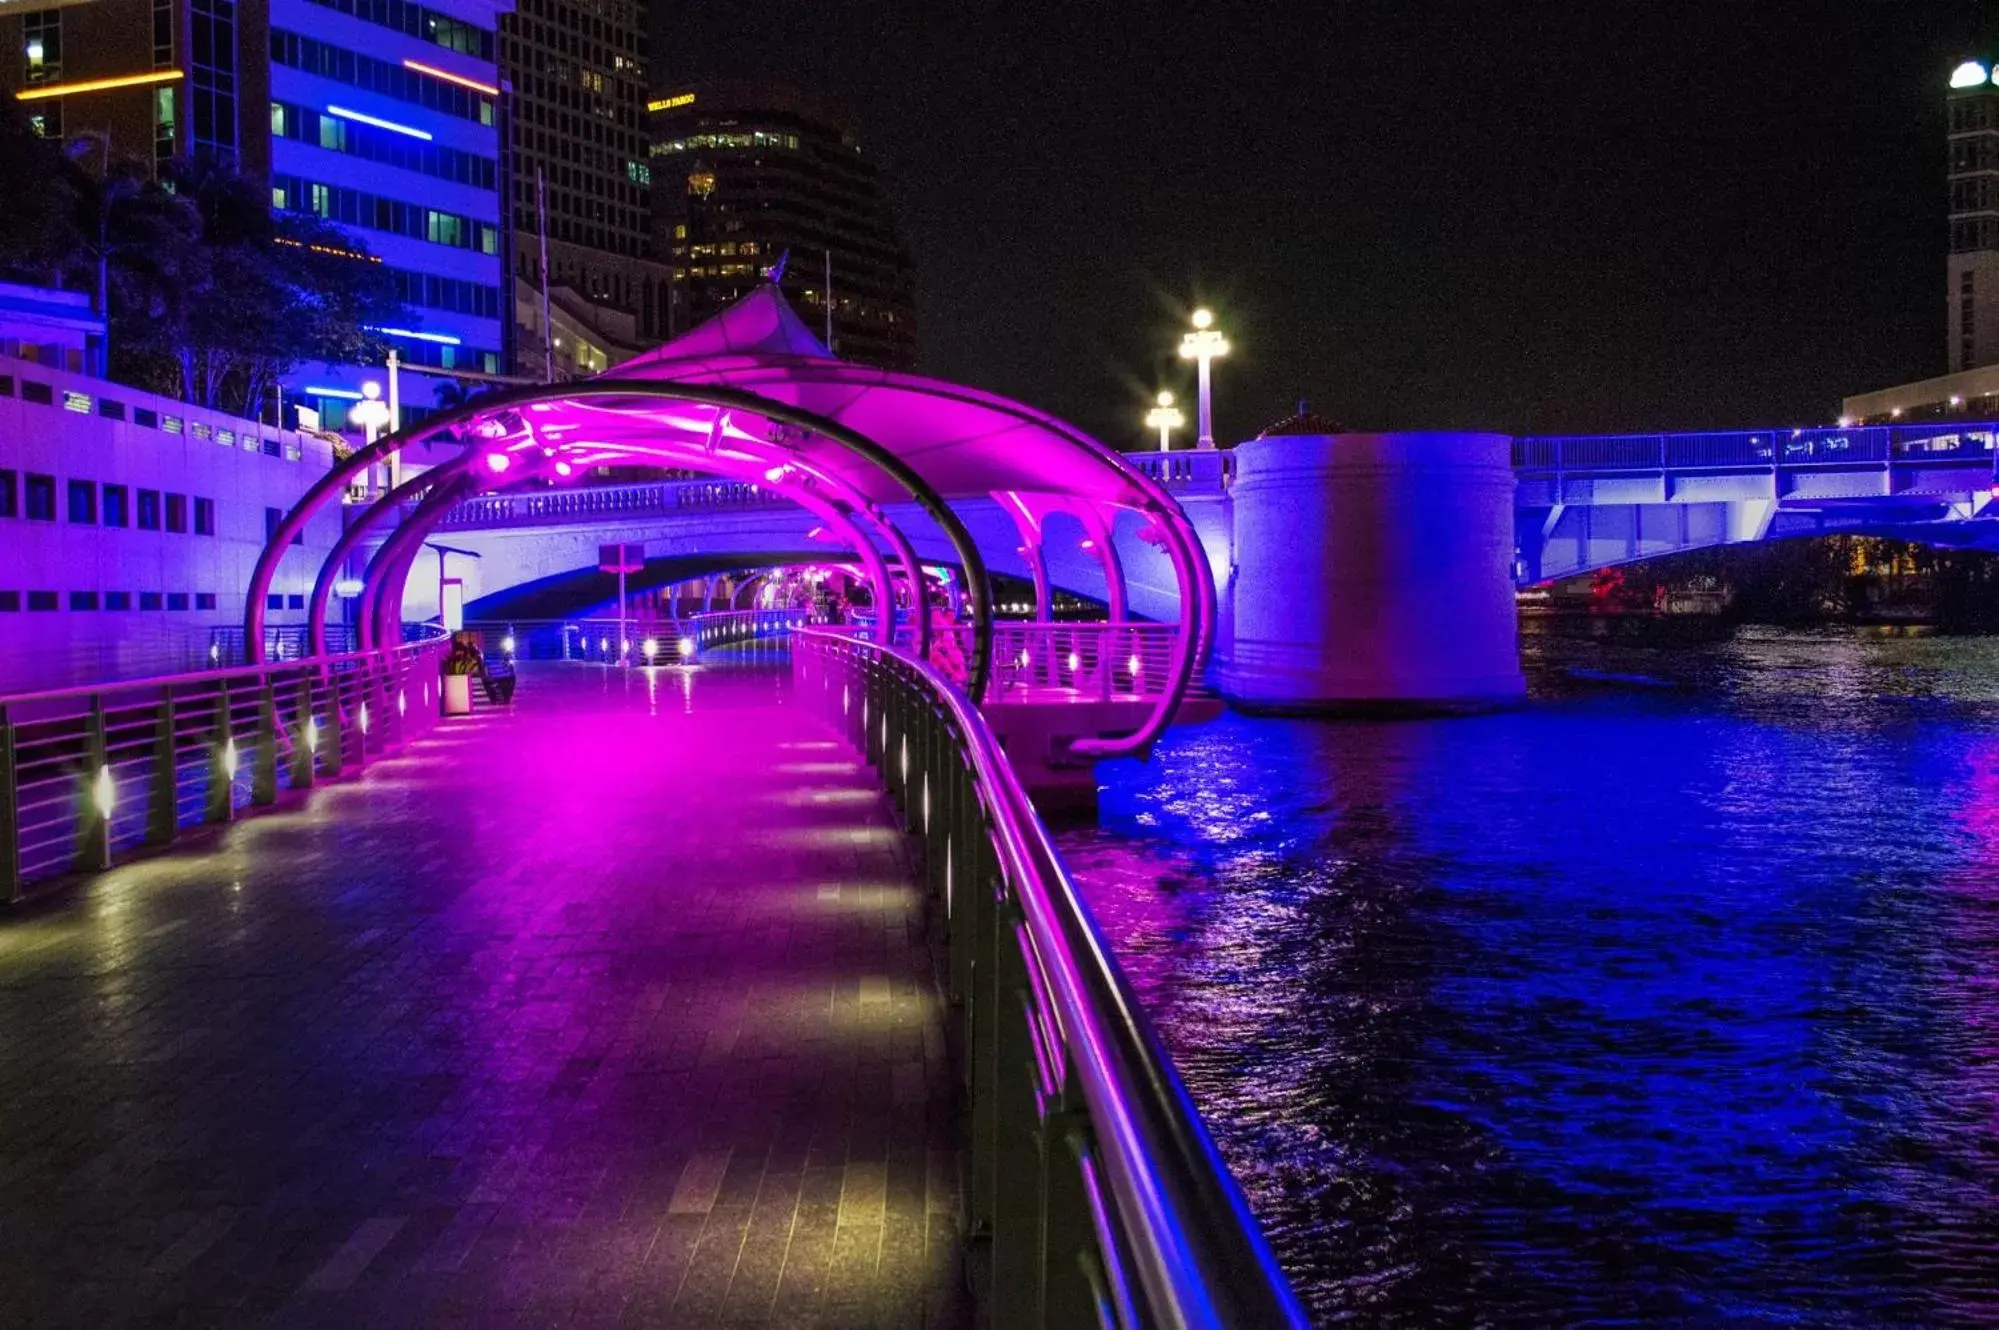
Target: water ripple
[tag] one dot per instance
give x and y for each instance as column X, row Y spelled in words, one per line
column 1673, row 1002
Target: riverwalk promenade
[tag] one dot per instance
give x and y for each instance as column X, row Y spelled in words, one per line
column 613, row 1009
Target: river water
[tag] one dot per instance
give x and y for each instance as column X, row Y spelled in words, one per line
column 1669, row 998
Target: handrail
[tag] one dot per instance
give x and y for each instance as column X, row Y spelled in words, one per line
column 1147, row 1228
column 1736, row 450
column 88, row 771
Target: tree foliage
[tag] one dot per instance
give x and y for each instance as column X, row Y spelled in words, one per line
column 213, row 296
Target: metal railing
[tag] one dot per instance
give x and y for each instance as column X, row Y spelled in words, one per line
column 594, row 502
column 1870, row 445
column 1100, row 1190
column 86, row 773
column 1196, row 471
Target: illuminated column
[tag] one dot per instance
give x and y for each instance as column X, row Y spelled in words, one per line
column 1203, row 346
column 1165, row 417
column 1374, row 574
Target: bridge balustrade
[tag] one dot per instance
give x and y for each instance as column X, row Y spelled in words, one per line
column 1865, row 445
column 1103, row 1195
column 1195, row 471
column 651, row 499
column 86, row 773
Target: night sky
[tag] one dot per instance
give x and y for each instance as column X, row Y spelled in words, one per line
column 1530, row 216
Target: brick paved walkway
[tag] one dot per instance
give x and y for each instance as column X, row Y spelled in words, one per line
column 614, row 1011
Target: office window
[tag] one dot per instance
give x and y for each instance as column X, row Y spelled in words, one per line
column 42, row 602
column 212, row 112
column 10, row 493
column 117, row 506
column 274, row 602
column 41, row 46
column 117, row 600
column 149, row 600
column 177, row 600
column 40, row 495
column 83, row 502
column 294, row 602
column 177, row 513
column 204, row 517
column 204, row 600
column 10, row 602
column 83, row 600
column 109, row 409
column 149, row 510
column 39, row 393
column 145, row 416
column 272, row 516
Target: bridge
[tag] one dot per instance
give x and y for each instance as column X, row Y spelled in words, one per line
column 1582, row 503
column 673, row 991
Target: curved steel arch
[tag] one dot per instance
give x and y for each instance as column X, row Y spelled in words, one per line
column 1183, row 547
column 919, row 490
column 350, row 539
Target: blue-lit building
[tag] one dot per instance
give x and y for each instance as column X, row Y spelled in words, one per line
column 382, row 116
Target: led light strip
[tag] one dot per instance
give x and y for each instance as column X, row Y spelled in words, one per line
column 341, row 393
column 441, row 339
column 449, row 77
column 377, row 122
column 96, row 85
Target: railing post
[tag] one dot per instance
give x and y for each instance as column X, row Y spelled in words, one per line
column 163, row 810
column 981, row 899
column 10, row 815
column 222, row 762
column 305, row 734
column 336, row 723
column 264, row 778
column 93, row 820
column 1071, row 1266
column 1019, row 1148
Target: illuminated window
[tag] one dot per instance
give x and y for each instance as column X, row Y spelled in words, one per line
column 166, row 122
column 332, row 134
column 701, row 183
column 41, row 46
column 278, row 118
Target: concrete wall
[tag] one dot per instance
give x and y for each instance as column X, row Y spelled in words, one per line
column 192, row 453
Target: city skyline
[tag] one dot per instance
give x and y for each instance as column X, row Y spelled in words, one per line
column 1596, row 237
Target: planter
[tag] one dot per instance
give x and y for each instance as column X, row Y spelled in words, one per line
column 456, row 695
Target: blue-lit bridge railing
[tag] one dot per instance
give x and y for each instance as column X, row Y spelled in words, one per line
column 1092, row 1175
column 592, row 503
column 86, row 773
column 1860, row 446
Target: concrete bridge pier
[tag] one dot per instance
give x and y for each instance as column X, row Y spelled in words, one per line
column 1373, row 573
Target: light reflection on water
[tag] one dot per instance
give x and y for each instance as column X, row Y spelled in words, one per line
column 1673, row 996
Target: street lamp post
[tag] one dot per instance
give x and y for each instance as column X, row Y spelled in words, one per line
column 1203, row 346
column 1165, row 417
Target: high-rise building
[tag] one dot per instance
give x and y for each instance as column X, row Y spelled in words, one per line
column 1972, row 292
column 579, row 82
column 383, row 116
column 744, row 172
